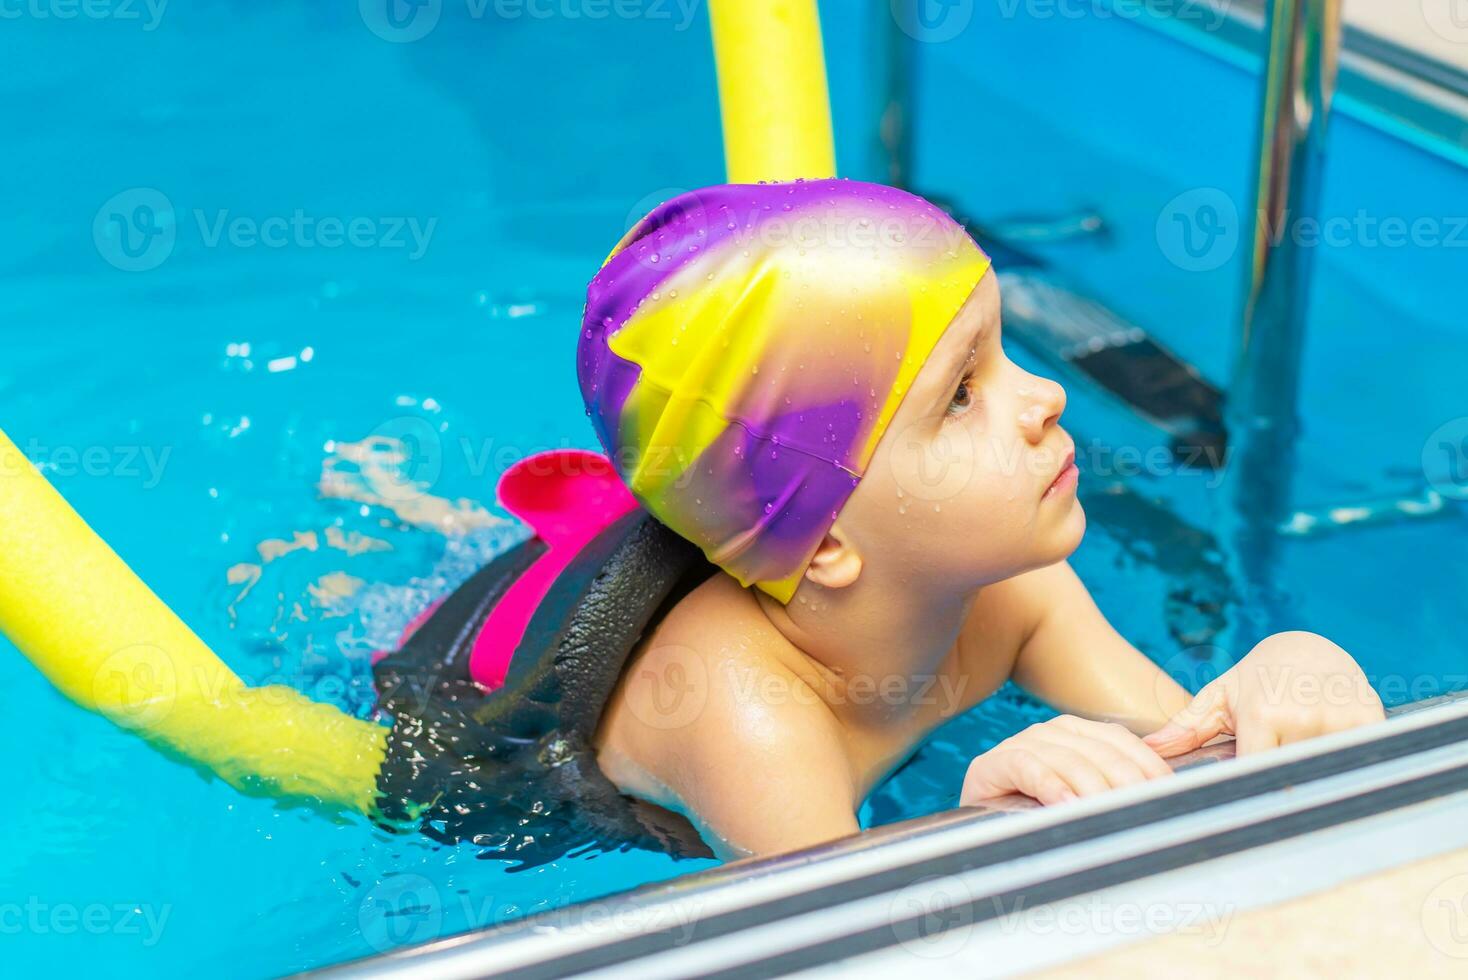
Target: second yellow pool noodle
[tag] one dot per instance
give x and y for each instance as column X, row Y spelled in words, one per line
column 72, row 606
column 772, row 90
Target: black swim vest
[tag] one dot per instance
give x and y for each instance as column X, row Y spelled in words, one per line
column 514, row 770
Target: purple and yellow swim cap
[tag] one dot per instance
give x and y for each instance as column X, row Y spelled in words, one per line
column 745, row 346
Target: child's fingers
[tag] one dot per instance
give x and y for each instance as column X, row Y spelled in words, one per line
column 1079, row 772
column 1256, row 736
column 1116, row 765
column 1123, row 740
column 1033, row 777
column 1205, row 717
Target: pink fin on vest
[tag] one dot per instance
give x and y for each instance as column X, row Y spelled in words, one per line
column 568, row 497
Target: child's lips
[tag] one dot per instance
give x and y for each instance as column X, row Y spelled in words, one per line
column 1067, row 477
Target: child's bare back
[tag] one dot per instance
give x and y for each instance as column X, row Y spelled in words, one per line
column 719, row 716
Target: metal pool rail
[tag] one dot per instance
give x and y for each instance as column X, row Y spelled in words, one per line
column 894, row 892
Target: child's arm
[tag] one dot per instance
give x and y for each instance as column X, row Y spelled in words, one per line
column 1290, row 687
column 1076, row 661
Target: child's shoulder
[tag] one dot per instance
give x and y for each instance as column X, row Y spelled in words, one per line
column 714, row 686
column 715, row 644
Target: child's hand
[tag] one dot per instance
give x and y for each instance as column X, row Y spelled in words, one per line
column 1290, row 687
column 1061, row 759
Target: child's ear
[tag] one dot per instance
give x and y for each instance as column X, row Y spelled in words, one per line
column 836, row 564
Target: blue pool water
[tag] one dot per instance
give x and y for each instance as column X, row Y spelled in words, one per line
column 202, row 391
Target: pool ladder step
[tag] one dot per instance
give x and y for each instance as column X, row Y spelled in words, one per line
column 1081, row 339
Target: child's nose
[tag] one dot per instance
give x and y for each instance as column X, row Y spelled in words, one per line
column 1046, row 402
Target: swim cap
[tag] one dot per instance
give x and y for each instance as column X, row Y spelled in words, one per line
column 745, row 346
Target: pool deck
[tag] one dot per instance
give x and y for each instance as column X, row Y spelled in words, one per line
column 1421, row 25
column 1406, row 921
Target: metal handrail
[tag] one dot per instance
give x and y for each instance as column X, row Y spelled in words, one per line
column 641, row 919
column 1261, row 410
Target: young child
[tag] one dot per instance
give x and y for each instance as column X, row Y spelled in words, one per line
column 807, row 381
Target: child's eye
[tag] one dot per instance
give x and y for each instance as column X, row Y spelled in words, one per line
column 963, row 397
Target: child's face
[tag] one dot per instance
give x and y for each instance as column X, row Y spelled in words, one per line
column 963, row 488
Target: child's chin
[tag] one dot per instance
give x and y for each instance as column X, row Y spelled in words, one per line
column 1068, row 532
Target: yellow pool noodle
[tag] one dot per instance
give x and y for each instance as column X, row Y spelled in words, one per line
column 72, row 606
column 772, row 90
